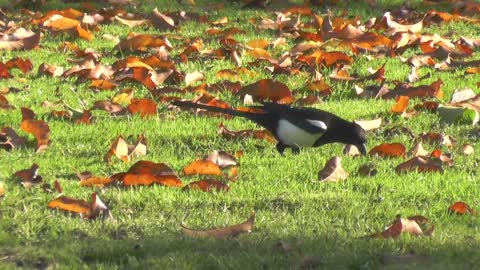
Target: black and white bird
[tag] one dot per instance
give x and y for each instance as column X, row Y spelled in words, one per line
column 297, row 127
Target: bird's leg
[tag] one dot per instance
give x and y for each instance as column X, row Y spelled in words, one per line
column 295, row 150
column 280, row 147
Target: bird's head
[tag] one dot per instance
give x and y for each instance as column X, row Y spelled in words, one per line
column 359, row 138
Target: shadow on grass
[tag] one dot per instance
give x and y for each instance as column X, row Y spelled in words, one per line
column 259, row 250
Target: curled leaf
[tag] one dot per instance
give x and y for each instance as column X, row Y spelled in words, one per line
column 333, row 171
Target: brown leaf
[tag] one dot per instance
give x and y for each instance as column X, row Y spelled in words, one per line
column 225, row 232
column 410, row 225
column 149, row 167
column 29, row 176
column 161, row 21
column 268, row 89
column 90, row 210
column 141, row 43
column 9, row 139
column 39, row 129
column 420, row 164
column 20, row 63
column 110, row 107
column 96, row 181
column 203, row 167
column 85, row 118
column 207, row 185
column 103, row 84
column 130, row 179
column 389, row 150
column 20, row 39
column 432, row 90
column 122, row 150
column 50, row 70
column 333, row 171
column 437, row 138
column 144, row 106
column 4, row 103
column 461, row 208
column 257, row 134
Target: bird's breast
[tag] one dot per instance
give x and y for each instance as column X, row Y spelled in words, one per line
column 292, row 135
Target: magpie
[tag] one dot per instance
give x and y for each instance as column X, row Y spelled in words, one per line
column 295, row 127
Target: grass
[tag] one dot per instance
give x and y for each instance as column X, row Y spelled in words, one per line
column 316, row 219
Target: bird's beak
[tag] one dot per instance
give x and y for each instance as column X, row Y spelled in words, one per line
column 362, row 148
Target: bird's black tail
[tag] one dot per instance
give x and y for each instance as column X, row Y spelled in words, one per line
column 188, row 104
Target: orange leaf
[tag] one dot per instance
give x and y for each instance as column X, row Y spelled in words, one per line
column 420, row 164
column 103, row 84
column 149, row 167
column 72, row 205
column 96, row 181
column 389, row 150
column 144, row 106
column 207, row 186
column 461, row 208
column 40, row 130
column 268, row 89
column 401, row 105
column 204, row 167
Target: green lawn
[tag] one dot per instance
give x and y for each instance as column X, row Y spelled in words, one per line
column 325, row 220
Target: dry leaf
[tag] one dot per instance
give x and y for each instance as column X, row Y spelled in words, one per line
column 461, row 208
column 225, row 232
column 333, row 171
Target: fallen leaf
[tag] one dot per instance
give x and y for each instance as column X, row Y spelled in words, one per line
column 222, row 159
column 401, row 105
column 368, row 125
column 96, row 181
column 333, row 171
column 193, row 77
column 30, row 176
column 461, row 208
column 420, row 164
column 88, row 210
column 417, row 150
column 257, row 134
column 388, row 150
column 267, row 89
column 207, row 186
column 122, row 150
column 203, row 167
column 144, row 106
column 9, row 139
column 411, row 225
column 39, row 129
column 220, row 233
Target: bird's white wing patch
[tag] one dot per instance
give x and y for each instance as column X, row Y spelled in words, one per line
column 293, row 135
column 317, row 123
